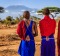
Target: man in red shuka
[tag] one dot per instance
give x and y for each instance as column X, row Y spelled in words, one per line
column 47, row 30
column 58, row 39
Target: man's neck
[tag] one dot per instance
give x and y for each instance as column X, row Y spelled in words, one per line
column 26, row 19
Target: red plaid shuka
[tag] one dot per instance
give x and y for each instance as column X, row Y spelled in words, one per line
column 21, row 29
column 47, row 26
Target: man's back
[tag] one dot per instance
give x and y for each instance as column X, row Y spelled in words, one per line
column 47, row 26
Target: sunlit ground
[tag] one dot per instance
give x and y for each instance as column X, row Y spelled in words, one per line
column 9, row 42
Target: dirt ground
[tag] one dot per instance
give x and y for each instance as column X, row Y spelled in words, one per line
column 9, row 45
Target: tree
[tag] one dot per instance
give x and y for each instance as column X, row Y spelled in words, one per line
column 17, row 20
column 39, row 11
column 52, row 9
column 1, row 9
column 8, row 20
column 35, row 19
column 0, row 19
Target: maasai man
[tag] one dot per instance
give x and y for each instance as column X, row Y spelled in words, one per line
column 58, row 39
column 26, row 30
column 47, row 30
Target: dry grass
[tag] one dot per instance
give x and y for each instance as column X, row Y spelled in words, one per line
column 9, row 42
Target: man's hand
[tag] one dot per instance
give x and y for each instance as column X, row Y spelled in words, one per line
column 47, row 38
column 27, row 38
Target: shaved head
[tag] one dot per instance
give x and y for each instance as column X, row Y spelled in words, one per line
column 26, row 14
